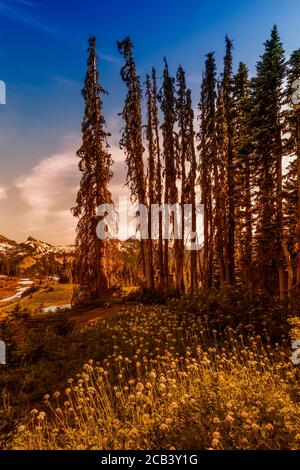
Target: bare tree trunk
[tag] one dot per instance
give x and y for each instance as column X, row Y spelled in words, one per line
column 282, row 286
column 158, row 181
column 248, row 235
column 298, row 201
column 193, row 262
column 289, row 268
column 231, row 216
column 281, row 276
column 147, row 245
column 166, row 242
column 181, row 256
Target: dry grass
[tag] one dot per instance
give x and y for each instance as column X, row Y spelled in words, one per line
column 166, row 386
column 8, row 287
column 49, row 294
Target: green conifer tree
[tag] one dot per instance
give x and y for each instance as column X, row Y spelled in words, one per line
column 268, row 126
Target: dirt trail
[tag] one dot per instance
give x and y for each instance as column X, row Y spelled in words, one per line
column 95, row 314
column 82, row 318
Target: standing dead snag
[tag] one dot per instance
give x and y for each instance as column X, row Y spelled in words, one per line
column 208, row 164
column 95, row 164
column 158, row 181
column 154, row 175
column 186, row 147
column 191, row 190
column 132, row 143
column 150, row 133
column 167, row 99
column 182, row 118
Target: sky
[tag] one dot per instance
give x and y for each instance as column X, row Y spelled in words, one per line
column 43, row 63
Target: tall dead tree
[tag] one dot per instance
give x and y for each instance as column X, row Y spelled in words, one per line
column 167, row 100
column 132, row 143
column 191, row 191
column 183, row 119
column 207, row 166
column 158, row 183
column 95, row 165
column 150, row 134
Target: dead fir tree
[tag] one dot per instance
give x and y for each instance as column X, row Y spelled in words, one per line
column 95, row 165
column 132, row 143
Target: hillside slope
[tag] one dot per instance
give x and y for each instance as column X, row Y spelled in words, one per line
column 33, row 257
column 36, row 258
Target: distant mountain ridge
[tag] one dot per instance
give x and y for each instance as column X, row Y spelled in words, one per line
column 33, row 257
column 37, row 258
column 6, row 241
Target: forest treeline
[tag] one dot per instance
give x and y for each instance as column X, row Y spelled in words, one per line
column 240, row 158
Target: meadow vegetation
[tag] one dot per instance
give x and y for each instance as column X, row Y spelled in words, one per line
column 213, row 372
column 45, row 294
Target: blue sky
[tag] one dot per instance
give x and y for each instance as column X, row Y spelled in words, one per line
column 43, row 57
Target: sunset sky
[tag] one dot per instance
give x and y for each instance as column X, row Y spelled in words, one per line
column 43, row 62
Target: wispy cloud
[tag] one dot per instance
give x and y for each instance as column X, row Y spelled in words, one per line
column 20, row 11
column 3, row 193
column 109, row 58
column 48, row 191
column 66, row 82
column 50, row 185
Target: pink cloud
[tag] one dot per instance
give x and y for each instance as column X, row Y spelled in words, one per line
column 3, row 193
